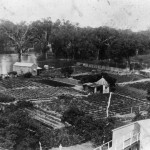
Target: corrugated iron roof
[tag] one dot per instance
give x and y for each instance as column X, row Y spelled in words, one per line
column 102, row 81
column 22, row 64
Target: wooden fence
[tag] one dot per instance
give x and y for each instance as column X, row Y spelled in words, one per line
column 106, row 68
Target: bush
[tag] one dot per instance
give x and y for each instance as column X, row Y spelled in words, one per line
column 12, row 73
column 138, row 116
column 28, row 75
column 148, row 94
column 41, row 58
column 67, row 71
column 71, row 115
column 24, row 104
column 6, row 99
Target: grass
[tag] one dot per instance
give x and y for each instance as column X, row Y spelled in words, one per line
column 142, row 58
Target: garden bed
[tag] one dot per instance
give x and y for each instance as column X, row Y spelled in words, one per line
column 19, row 83
column 54, row 83
column 6, row 98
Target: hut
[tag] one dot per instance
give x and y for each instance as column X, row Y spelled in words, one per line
column 101, row 86
column 145, row 72
column 22, row 68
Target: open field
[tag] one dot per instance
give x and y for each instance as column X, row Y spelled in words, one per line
column 131, row 92
column 141, row 85
column 126, row 78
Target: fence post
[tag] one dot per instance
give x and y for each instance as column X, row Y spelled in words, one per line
column 131, row 110
column 123, row 142
column 130, row 139
column 139, row 108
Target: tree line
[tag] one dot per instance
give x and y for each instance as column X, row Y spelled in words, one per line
column 70, row 41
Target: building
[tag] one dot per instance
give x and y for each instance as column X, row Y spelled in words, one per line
column 145, row 72
column 101, row 86
column 22, row 68
column 134, row 136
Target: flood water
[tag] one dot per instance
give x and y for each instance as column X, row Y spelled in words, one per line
column 7, row 61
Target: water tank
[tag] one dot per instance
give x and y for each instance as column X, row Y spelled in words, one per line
column 46, row 67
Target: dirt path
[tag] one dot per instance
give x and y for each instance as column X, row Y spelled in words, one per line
column 85, row 146
column 131, row 82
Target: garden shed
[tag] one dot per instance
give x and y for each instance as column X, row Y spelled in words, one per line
column 100, row 86
column 22, row 68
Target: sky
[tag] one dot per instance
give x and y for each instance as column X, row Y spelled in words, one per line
column 120, row 14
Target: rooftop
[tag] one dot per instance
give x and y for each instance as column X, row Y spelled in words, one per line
column 22, row 64
column 102, row 81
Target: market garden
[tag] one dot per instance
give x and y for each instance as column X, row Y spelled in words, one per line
column 52, row 101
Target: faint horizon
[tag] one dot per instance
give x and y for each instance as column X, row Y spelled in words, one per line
column 119, row 14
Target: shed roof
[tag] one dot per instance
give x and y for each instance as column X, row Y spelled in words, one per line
column 102, row 81
column 21, row 64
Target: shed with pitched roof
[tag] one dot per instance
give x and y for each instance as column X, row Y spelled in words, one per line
column 101, row 86
column 22, row 68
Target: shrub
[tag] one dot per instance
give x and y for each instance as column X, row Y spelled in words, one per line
column 96, row 77
column 148, row 94
column 12, row 73
column 5, row 98
column 138, row 116
column 67, row 71
column 24, row 104
column 41, row 58
column 71, row 115
column 28, row 75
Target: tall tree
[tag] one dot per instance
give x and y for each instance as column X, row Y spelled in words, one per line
column 17, row 34
column 41, row 32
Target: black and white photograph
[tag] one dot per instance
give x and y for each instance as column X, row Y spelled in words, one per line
column 74, row 74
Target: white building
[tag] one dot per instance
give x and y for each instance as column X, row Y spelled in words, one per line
column 134, row 136
column 22, row 68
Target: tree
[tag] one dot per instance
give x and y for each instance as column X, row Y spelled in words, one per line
column 19, row 131
column 17, row 126
column 138, row 116
column 18, row 36
column 71, row 115
column 41, row 32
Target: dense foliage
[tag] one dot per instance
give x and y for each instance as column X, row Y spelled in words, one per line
column 28, row 75
column 95, row 77
column 5, row 98
column 20, row 132
column 70, row 41
column 98, row 131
